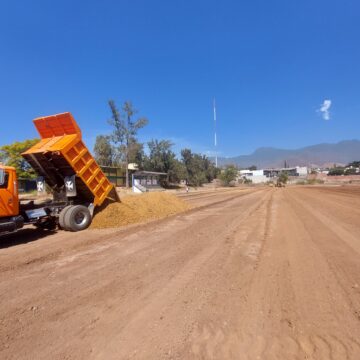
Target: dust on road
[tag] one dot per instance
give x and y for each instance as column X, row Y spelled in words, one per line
column 257, row 274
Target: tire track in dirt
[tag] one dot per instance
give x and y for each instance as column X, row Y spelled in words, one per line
column 345, row 202
column 286, row 312
column 336, row 244
column 201, row 201
column 217, row 338
column 326, row 244
column 270, row 275
column 180, row 291
column 56, row 249
column 129, row 273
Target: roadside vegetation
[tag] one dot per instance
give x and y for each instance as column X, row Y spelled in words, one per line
column 350, row 169
column 122, row 147
column 229, row 175
column 283, row 178
column 10, row 155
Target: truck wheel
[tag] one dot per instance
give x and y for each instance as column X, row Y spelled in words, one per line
column 77, row 218
column 62, row 217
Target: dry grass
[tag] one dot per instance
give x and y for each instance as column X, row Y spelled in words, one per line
column 138, row 208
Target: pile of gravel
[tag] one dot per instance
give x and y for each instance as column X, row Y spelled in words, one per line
column 138, row 208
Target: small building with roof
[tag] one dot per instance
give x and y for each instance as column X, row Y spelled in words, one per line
column 143, row 181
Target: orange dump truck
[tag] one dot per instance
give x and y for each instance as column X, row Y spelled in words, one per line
column 64, row 165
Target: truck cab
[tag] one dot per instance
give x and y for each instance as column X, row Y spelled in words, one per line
column 10, row 219
column 9, row 197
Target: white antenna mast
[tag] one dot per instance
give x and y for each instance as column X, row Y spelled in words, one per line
column 215, row 139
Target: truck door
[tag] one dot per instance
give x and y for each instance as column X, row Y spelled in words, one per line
column 9, row 200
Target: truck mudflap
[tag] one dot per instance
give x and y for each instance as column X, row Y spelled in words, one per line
column 11, row 224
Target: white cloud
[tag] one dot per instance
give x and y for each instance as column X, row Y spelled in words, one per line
column 325, row 109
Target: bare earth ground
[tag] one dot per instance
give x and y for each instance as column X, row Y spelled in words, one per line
column 251, row 274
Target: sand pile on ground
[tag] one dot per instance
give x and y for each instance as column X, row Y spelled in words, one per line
column 138, row 208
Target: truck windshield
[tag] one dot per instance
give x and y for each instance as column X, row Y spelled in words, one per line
column 4, row 179
column 2, row 176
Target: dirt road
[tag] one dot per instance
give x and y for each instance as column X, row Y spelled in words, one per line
column 256, row 274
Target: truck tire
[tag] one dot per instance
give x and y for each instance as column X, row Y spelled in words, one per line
column 77, row 218
column 62, row 217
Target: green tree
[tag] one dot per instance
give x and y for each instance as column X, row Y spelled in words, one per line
column 228, row 175
column 253, row 167
column 336, row 171
column 283, row 177
column 125, row 129
column 104, row 152
column 136, row 153
column 160, row 155
column 10, row 155
column 355, row 164
column 211, row 171
column 177, row 172
column 350, row 171
column 196, row 167
column 162, row 159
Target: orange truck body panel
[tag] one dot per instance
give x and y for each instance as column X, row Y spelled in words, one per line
column 61, row 137
column 9, row 198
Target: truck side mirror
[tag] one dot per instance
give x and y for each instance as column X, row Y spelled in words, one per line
column 2, row 176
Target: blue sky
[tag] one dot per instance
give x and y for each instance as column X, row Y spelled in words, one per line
column 270, row 65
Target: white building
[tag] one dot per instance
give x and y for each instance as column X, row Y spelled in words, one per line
column 301, row 170
column 251, row 172
column 264, row 175
column 256, row 176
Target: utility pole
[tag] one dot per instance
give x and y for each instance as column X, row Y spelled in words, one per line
column 215, row 139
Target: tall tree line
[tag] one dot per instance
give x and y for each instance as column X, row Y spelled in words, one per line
column 10, row 155
column 122, row 147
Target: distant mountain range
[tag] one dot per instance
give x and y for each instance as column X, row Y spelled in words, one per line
column 321, row 155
